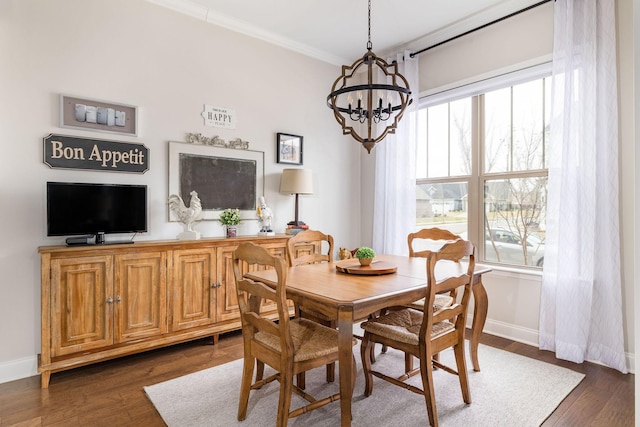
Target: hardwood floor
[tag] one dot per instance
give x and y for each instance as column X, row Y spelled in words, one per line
column 110, row 393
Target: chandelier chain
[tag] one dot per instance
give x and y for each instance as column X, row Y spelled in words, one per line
column 369, row 45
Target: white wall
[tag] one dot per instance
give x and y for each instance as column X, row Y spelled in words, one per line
column 169, row 65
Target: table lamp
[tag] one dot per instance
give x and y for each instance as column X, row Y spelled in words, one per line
column 296, row 181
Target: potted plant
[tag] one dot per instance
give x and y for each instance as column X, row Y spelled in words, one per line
column 365, row 255
column 230, row 218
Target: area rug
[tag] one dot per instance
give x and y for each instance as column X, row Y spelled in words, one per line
column 510, row 390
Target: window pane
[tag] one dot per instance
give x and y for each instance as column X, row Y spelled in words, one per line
column 514, row 220
column 460, row 137
column 442, row 205
column 528, row 126
column 438, row 141
column 421, row 145
column 497, row 130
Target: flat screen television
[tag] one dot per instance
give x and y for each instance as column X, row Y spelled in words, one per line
column 75, row 209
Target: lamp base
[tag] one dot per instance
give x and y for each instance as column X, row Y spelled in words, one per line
column 296, row 223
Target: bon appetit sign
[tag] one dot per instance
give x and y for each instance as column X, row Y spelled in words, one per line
column 72, row 152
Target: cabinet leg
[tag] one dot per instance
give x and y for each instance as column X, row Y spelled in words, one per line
column 44, row 379
column 214, row 339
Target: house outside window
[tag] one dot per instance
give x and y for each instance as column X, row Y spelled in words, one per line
column 481, row 169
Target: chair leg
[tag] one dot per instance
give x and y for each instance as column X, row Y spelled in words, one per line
column 331, row 372
column 426, row 371
column 259, row 370
column 245, row 386
column 366, row 349
column 300, row 380
column 408, row 362
column 284, row 403
column 461, row 364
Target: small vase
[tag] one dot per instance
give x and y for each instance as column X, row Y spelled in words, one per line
column 365, row 261
column 232, row 230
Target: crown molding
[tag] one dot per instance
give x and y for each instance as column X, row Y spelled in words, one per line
column 205, row 14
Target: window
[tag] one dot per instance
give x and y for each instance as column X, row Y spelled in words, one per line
column 481, row 169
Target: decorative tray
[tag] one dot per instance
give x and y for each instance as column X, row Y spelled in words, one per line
column 352, row 266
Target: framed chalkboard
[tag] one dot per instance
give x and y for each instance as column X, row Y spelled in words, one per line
column 222, row 177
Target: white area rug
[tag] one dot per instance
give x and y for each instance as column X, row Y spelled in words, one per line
column 510, row 391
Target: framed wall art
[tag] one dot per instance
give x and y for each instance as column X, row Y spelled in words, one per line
column 223, row 178
column 100, row 116
column 289, row 148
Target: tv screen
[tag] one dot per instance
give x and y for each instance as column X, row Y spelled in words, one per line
column 77, row 208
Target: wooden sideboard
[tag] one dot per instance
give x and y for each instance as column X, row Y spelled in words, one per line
column 100, row 302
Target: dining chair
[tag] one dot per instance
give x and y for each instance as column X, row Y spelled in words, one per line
column 310, row 247
column 425, row 333
column 422, row 243
column 289, row 346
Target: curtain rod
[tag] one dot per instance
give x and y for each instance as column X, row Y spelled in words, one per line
column 479, row 28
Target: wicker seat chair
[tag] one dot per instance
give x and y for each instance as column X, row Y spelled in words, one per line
column 425, row 333
column 290, row 346
column 310, row 247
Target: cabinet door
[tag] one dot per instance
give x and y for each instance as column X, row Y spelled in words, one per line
column 140, row 297
column 226, row 285
column 192, row 301
column 305, row 249
column 81, row 304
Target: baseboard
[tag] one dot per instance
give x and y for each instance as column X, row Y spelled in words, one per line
column 18, row 369
column 513, row 332
column 530, row 337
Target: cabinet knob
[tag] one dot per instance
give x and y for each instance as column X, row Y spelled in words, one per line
column 216, row 285
column 109, row 300
column 118, row 299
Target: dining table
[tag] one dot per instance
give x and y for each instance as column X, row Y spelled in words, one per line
column 344, row 291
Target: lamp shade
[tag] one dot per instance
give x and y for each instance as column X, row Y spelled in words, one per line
column 296, row 181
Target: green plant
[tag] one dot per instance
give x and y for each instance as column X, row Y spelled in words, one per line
column 364, row 253
column 230, row 217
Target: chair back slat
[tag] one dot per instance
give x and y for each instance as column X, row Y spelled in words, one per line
column 313, row 238
column 428, row 236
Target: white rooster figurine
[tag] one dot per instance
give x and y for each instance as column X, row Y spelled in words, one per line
column 187, row 215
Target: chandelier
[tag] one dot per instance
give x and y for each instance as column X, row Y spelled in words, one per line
column 369, row 102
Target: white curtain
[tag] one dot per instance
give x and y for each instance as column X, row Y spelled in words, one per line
column 581, row 309
column 395, row 177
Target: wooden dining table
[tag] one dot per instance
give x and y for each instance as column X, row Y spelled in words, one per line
column 351, row 297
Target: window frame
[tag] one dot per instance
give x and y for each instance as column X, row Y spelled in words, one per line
column 478, row 177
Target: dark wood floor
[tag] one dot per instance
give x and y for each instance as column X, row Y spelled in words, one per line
column 110, row 393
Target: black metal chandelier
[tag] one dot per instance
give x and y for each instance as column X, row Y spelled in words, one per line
column 369, row 102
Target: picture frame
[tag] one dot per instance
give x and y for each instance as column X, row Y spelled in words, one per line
column 98, row 115
column 289, row 148
column 223, row 178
